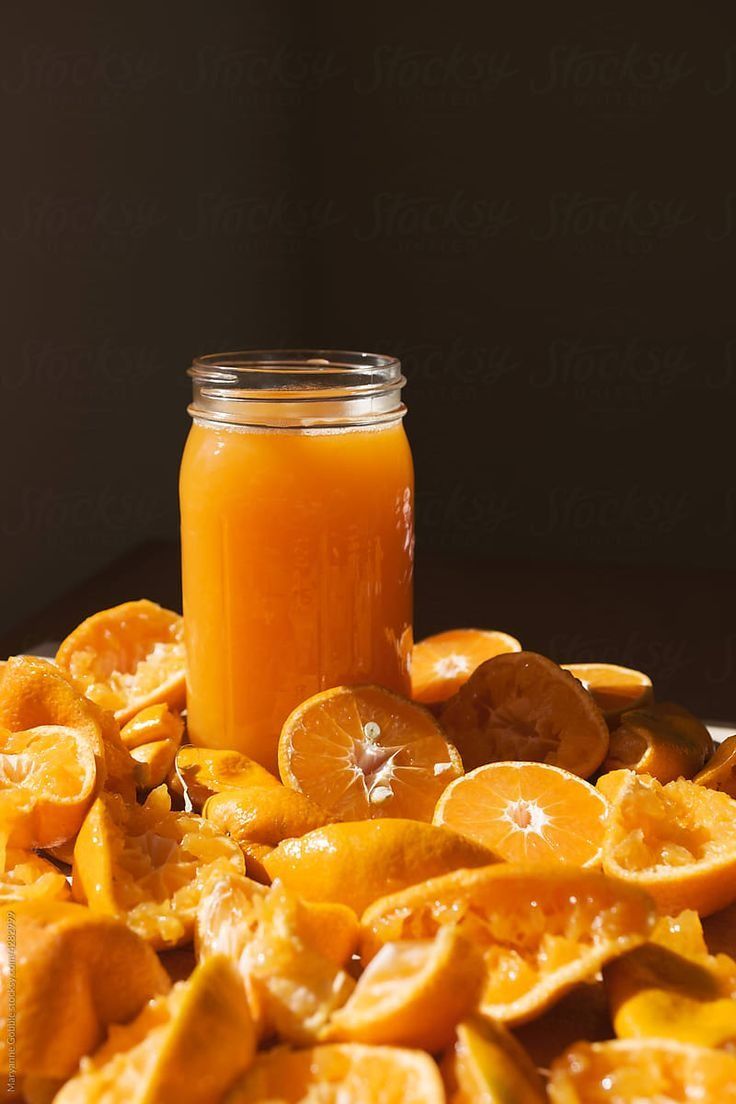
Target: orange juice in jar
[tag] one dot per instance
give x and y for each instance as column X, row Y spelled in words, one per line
column 297, row 538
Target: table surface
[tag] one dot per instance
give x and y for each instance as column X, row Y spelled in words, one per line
column 677, row 624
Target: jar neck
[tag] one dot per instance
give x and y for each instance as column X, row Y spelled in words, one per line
column 299, row 389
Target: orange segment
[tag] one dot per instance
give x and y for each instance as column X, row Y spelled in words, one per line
column 29, row 877
column 75, row 973
column 355, row 863
column 662, row 740
column 346, row 1073
column 488, row 1065
column 643, row 1070
column 188, row 1046
column 527, row 812
column 614, row 688
column 153, row 737
column 366, row 752
column 542, row 929
column 48, row 777
column 412, row 994
column 201, row 772
column 719, row 773
column 148, row 865
column 128, row 657
column 676, row 841
column 523, row 706
column 442, row 663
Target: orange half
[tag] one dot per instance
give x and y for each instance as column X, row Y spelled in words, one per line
column 440, row 664
column 340, row 1073
column 128, row 657
column 522, row 706
column 527, row 812
column 542, row 928
column 26, row 876
column 364, row 752
column 677, row 841
column 412, row 994
column 48, row 778
column 614, row 688
column 633, row 1071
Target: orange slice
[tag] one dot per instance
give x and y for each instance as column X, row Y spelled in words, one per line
column 188, row 1046
column 128, row 657
column 615, row 689
column 635, row 1071
column 442, row 663
column 201, row 772
column 148, row 865
column 75, row 974
column 341, row 1073
column 48, row 777
column 362, row 752
column 527, row 812
column 412, row 994
column 542, row 929
column 26, row 876
column 676, row 841
column 719, row 773
column 355, row 863
column 523, row 706
column 153, row 737
column 488, row 1066
column 662, row 740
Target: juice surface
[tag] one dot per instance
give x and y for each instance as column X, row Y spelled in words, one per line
column 297, row 555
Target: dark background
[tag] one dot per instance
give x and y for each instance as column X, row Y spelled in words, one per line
column 533, row 205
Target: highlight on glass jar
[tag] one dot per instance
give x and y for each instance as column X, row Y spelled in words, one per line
column 297, row 533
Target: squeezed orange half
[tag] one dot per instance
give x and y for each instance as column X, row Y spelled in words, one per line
column 297, row 573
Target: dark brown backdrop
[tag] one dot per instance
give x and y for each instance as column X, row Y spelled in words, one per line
column 534, row 205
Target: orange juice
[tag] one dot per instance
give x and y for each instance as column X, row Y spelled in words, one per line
column 297, row 543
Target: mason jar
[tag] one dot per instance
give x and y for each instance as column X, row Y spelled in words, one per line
column 297, row 534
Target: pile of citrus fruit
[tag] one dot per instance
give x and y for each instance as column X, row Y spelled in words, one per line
column 518, row 887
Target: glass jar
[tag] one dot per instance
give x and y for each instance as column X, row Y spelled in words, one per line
column 296, row 494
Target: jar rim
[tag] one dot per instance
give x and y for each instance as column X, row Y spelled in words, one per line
column 297, row 387
column 320, row 365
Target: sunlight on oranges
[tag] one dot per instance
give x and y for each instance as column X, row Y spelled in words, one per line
column 522, row 890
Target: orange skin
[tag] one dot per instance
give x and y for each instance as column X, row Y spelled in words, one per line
column 664, row 740
column 719, row 773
